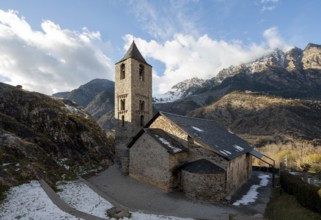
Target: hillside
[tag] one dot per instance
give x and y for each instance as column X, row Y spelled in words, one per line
column 41, row 137
column 263, row 119
column 97, row 97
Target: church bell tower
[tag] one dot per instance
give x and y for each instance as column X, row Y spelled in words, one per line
column 133, row 96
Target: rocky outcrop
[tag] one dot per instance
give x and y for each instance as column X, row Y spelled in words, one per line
column 312, row 57
column 41, row 137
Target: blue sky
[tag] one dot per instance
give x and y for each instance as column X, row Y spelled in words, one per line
column 51, row 46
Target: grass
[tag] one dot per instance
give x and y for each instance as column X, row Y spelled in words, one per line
column 283, row 206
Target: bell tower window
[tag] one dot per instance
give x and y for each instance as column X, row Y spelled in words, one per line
column 123, row 121
column 142, row 120
column 141, row 72
column 141, row 105
column 122, row 104
column 122, row 71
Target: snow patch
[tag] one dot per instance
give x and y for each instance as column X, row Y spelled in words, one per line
column 197, row 129
column 78, row 195
column 238, row 148
column 29, row 201
column 252, row 194
column 175, row 149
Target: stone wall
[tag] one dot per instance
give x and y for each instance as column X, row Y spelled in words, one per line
column 152, row 164
column 133, row 90
column 238, row 172
column 208, row 187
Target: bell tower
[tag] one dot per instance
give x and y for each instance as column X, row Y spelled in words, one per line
column 133, row 96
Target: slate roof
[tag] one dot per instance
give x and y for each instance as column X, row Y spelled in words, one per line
column 133, row 53
column 202, row 166
column 207, row 132
column 169, row 143
column 211, row 134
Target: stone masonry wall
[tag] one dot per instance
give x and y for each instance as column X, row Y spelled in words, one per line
column 152, row 164
column 204, row 187
column 132, row 90
column 239, row 170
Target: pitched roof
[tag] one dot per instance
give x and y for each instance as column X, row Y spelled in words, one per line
column 202, row 166
column 169, row 143
column 212, row 134
column 133, row 53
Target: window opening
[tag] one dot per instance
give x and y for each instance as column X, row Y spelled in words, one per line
column 142, row 120
column 141, row 105
column 141, row 72
column 122, row 71
column 122, row 104
column 122, row 120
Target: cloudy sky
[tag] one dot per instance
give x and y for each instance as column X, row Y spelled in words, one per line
column 54, row 46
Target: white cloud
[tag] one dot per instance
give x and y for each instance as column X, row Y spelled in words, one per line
column 50, row 60
column 268, row 5
column 185, row 56
column 273, row 38
column 164, row 20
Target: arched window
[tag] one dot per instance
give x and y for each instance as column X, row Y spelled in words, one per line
column 122, row 71
column 122, row 104
column 122, row 120
column 141, row 105
column 142, row 120
column 141, row 72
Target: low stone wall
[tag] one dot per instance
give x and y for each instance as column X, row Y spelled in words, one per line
column 207, row 187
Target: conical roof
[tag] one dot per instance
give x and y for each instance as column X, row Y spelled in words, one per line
column 133, row 53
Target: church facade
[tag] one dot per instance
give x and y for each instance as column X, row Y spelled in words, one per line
column 169, row 151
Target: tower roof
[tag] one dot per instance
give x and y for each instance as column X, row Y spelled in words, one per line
column 134, row 53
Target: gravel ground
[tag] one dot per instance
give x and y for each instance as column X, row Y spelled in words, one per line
column 134, row 195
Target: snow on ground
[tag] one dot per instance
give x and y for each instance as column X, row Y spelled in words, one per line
column 78, row 195
column 29, row 201
column 251, row 195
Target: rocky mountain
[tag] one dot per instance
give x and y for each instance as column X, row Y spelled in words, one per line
column 294, row 73
column 97, row 97
column 43, row 137
column 261, row 119
column 180, row 90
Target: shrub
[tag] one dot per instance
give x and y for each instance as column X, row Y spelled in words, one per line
column 307, row 195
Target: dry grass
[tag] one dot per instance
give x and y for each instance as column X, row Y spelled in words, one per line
column 296, row 156
column 284, row 207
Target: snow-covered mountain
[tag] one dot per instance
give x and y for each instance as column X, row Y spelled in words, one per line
column 180, row 90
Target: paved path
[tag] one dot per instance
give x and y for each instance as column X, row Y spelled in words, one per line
column 134, row 195
column 64, row 206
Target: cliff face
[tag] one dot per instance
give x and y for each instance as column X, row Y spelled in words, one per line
column 312, row 57
column 41, row 137
column 97, row 97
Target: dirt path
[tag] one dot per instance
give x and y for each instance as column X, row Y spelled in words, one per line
column 134, row 195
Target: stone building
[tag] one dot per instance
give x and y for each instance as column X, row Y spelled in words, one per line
column 133, row 96
column 169, row 151
column 197, row 156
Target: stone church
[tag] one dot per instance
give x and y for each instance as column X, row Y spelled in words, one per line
column 173, row 152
